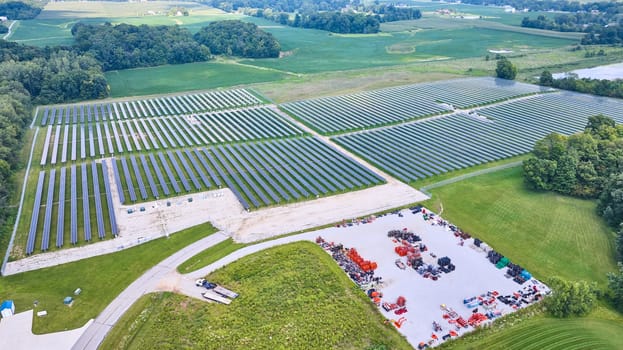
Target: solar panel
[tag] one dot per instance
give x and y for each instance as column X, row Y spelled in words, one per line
column 167, row 170
column 118, row 180
column 60, row 222
column 139, row 178
column 45, row 240
column 128, row 179
column 109, row 201
column 46, row 145
column 98, row 201
column 30, row 243
column 85, row 204
column 163, row 183
column 74, row 206
column 179, row 171
column 150, row 179
column 189, row 171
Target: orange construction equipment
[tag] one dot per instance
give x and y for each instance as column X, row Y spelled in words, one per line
column 400, row 321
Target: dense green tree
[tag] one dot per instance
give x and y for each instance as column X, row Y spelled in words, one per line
column 570, row 298
column 546, row 78
column 505, row 69
column 602, row 127
column 127, row 46
column 19, row 10
column 615, row 283
column 539, row 173
column 619, row 243
column 236, row 38
column 579, row 164
column 610, row 203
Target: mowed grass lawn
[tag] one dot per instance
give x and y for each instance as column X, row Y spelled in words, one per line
column 546, row 233
column 185, row 77
column 101, row 279
column 291, row 297
column 549, row 333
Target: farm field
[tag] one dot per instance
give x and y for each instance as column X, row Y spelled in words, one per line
column 548, row 234
column 186, row 77
column 101, row 279
column 388, row 106
column 333, row 314
column 464, row 139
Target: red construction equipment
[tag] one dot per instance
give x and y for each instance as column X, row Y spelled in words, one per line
column 402, row 301
column 400, row 321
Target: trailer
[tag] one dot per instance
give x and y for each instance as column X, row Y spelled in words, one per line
column 212, row 296
column 225, row 292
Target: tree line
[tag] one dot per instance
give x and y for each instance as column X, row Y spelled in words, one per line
column 600, row 87
column 335, row 16
column 236, row 38
column 601, row 21
column 19, row 10
column 586, row 165
column 125, row 46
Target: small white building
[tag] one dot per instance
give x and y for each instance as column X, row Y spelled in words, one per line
column 7, row 309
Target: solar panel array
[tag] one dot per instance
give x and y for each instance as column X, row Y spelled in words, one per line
column 145, row 108
column 96, row 140
column 259, row 174
column 56, row 202
column 359, row 111
column 421, row 149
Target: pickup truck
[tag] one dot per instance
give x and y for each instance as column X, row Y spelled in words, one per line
column 202, row 282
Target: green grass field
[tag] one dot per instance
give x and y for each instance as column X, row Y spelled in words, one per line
column 546, row 233
column 542, row 332
column 101, row 279
column 210, row 255
column 185, row 77
column 291, row 297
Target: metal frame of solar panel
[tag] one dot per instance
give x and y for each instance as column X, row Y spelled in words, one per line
column 85, row 203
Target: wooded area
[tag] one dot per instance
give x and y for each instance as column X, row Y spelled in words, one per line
column 600, row 87
column 236, row 38
column 125, row 46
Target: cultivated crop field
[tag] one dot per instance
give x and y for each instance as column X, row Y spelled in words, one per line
column 422, row 149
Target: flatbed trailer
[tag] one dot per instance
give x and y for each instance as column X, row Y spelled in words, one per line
column 210, row 295
column 225, row 292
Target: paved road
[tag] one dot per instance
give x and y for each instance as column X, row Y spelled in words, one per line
column 151, row 280
column 147, row 283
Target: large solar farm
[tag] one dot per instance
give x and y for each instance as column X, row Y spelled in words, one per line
column 93, row 161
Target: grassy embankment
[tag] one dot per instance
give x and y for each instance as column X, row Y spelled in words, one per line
column 292, row 297
column 101, row 279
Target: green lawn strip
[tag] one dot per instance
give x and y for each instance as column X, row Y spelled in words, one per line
column 546, row 233
column 101, row 279
column 292, row 297
column 545, row 332
column 466, row 171
column 210, row 255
